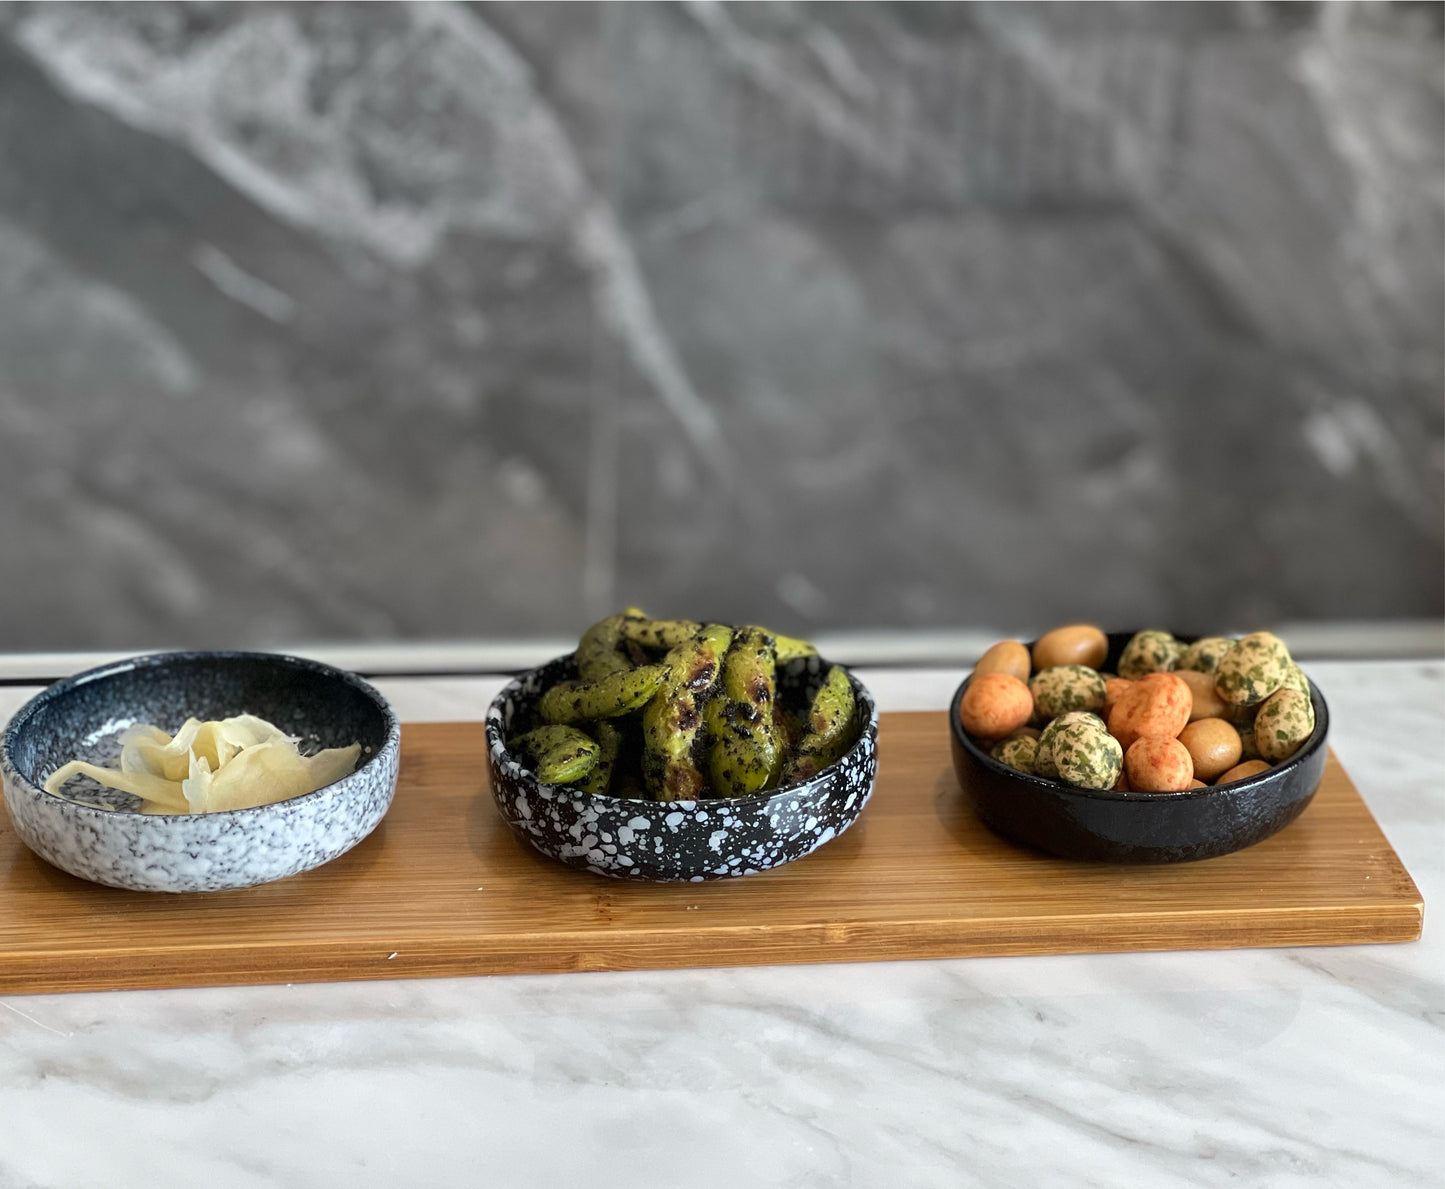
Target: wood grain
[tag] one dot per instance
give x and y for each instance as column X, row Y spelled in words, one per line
column 442, row 888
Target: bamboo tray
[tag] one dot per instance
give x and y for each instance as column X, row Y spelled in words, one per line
column 442, row 888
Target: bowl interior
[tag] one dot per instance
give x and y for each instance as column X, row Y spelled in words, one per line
column 1117, row 643
column 84, row 716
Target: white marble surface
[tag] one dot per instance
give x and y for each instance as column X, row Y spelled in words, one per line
column 1303, row 1067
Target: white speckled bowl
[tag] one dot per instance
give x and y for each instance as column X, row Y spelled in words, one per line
column 100, row 835
column 677, row 841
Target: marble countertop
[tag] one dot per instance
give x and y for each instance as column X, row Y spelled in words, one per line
column 1292, row 1067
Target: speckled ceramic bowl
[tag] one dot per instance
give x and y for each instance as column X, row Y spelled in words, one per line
column 1138, row 827
column 100, row 835
column 680, row 840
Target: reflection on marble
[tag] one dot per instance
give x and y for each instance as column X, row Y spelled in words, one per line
column 450, row 320
column 1278, row 1068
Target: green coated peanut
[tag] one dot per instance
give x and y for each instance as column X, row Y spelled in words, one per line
column 789, row 648
column 600, row 652
column 830, row 723
column 560, row 754
column 672, row 721
column 609, row 745
column 616, row 694
column 659, row 634
column 743, row 754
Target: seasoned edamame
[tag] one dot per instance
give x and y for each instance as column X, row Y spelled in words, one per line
column 830, row 722
column 616, row 694
column 743, row 756
column 672, row 720
column 560, row 755
column 659, row 634
column 600, row 651
column 609, row 744
column 674, row 709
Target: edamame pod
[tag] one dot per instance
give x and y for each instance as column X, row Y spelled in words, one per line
column 830, row 723
column 609, row 744
column 788, row 731
column 616, row 694
column 672, row 720
column 659, row 634
column 733, row 761
column 789, row 648
column 560, row 755
column 743, row 754
column 600, row 651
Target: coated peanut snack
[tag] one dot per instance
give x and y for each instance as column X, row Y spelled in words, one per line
column 1017, row 751
column 1177, row 715
column 1086, row 755
column 1158, row 704
column 1044, row 762
column 1063, row 688
column 1286, row 720
column 1203, row 655
column 1253, row 669
column 675, row 710
column 995, row 705
column 1150, row 652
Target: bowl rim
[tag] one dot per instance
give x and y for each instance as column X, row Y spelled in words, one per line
column 1249, row 783
column 497, row 749
column 65, row 685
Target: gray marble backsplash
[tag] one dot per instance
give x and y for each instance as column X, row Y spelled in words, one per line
column 398, row 321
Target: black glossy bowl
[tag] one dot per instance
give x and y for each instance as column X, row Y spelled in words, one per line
column 1137, row 827
column 676, row 841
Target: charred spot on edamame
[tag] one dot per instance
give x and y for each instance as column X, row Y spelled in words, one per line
column 674, row 710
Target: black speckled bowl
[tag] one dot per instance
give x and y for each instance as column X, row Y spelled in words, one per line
column 101, row 835
column 1137, row 827
column 676, row 841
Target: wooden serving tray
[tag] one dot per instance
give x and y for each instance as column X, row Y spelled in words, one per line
column 443, row 888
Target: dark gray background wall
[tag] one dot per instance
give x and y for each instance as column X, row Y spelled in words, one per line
column 406, row 321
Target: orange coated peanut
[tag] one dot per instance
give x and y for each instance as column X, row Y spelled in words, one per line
column 1158, row 704
column 995, row 705
column 1158, row 765
column 1114, row 689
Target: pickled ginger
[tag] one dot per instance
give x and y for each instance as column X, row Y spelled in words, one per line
column 206, row 767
